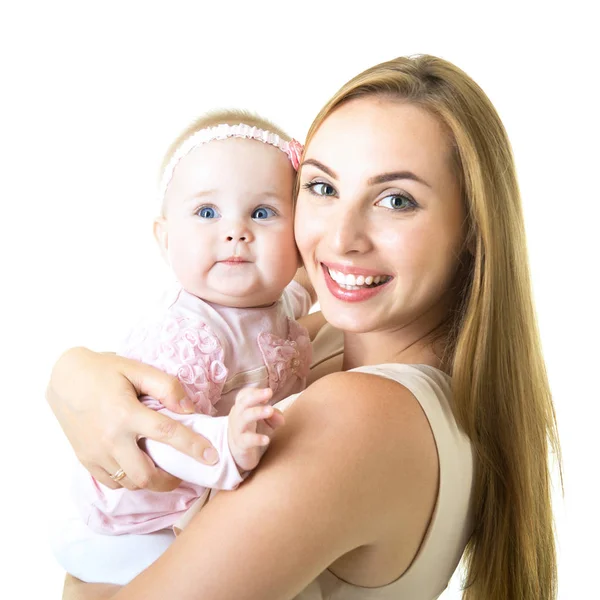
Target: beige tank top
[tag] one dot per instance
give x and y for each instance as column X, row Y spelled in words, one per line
column 451, row 523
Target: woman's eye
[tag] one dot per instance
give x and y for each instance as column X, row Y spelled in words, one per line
column 208, row 212
column 263, row 212
column 397, row 202
column 319, row 188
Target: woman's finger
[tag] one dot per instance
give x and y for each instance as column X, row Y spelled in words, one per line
column 160, row 428
column 150, row 381
column 136, row 464
column 141, row 470
column 102, row 476
column 163, row 481
column 105, row 476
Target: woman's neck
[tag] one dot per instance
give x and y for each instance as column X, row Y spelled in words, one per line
column 417, row 343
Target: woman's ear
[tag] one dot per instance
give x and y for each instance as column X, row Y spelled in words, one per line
column 161, row 235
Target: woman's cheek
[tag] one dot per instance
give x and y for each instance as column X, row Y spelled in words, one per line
column 305, row 230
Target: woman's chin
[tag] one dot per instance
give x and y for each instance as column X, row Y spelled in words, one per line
column 358, row 322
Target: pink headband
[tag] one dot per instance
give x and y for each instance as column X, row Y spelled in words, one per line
column 293, row 148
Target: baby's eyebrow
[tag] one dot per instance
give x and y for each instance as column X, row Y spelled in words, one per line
column 271, row 195
column 202, row 194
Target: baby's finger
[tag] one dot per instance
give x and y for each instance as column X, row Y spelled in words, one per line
column 255, row 413
column 253, row 397
column 247, row 441
column 277, row 420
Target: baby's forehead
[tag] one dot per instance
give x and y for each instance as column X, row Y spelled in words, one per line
column 234, row 160
column 237, row 149
column 234, row 169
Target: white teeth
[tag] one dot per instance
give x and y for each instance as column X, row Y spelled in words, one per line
column 352, row 281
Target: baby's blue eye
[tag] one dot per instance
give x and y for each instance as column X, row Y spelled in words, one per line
column 208, row 212
column 263, row 212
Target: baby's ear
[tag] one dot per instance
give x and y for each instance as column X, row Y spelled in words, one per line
column 161, row 235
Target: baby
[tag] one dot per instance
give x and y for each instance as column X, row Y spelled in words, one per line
column 226, row 230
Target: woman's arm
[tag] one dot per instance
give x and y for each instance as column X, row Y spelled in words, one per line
column 335, row 479
column 75, row 589
column 95, row 397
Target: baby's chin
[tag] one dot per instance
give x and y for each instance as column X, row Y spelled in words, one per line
column 236, row 298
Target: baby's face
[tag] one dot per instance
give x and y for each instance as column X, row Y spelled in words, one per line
column 228, row 225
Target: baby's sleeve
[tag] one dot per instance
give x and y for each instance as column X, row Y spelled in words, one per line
column 223, row 476
column 296, row 300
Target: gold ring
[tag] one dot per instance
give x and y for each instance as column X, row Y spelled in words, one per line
column 118, row 475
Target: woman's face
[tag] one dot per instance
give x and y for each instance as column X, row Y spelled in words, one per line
column 379, row 217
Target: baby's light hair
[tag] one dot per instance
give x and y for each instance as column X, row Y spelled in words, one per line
column 219, row 117
column 231, row 116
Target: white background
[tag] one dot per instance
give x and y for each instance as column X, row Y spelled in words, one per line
column 91, row 95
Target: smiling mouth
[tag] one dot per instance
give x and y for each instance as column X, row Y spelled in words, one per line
column 350, row 281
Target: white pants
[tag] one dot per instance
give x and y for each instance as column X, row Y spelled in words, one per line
column 97, row 558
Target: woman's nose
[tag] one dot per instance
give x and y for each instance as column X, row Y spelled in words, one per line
column 348, row 231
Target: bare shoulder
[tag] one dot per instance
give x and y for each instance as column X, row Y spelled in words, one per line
column 364, row 404
column 368, row 427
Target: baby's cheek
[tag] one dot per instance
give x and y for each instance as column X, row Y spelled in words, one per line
column 287, row 254
column 186, row 264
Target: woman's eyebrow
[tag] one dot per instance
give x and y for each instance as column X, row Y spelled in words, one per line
column 383, row 178
column 386, row 177
column 319, row 165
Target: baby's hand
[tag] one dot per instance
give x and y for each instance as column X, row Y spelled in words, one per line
column 252, row 423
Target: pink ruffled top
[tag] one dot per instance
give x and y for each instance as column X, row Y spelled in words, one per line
column 214, row 351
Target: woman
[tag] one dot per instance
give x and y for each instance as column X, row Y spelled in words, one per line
column 435, row 435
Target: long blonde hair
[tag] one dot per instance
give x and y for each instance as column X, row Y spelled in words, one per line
column 501, row 395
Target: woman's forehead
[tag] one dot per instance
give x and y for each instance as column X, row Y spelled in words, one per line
column 381, row 134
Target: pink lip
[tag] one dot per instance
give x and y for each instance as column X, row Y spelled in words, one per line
column 350, row 295
column 233, row 260
column 350, row 270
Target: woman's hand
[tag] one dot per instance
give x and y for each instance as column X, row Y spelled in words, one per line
column 95, row 399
